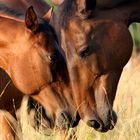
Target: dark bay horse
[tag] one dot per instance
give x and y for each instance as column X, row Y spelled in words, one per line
column 95, row 38
column 31, row 57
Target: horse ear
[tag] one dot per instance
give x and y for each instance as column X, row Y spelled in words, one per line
column 85, row 7
column 48, row 15
column 31, row 20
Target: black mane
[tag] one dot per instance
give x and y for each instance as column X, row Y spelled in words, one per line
column 65, row 11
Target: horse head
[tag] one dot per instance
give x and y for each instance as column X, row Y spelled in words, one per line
column 97, row 45
column 37, row 67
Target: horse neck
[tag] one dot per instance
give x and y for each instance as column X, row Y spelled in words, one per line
column 10, row 29
column 130, row 12
column 126, row 13
column 11, row 33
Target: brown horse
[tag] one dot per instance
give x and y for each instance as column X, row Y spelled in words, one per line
column 31, row 57
column 95, row 38
column 97, row 44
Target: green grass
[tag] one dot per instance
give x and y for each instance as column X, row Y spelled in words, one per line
column 135, row 32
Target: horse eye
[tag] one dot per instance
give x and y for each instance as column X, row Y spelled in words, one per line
column 49, row 57
column 52, row 58
column 85, row 52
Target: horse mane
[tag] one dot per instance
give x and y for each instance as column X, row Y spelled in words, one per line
column 68, row 9
column 8, row 12
column 10, row 17
column 65, row 11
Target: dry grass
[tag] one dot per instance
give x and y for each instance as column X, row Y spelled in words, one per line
column 127, row 106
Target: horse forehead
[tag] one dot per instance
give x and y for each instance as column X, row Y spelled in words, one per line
column 104, row 33
column 87, row 28
column 80, row 26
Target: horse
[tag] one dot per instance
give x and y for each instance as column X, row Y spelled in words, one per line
column 31, row 57
column 97, row 43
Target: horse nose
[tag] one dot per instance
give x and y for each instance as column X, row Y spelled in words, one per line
column 100, row 126
column 64, row 120
column 113, row 120
column 94, row 121
column 96, row 124
column 103, row 125
column 110, row 121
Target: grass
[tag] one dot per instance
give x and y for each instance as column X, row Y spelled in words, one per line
column 135, row 30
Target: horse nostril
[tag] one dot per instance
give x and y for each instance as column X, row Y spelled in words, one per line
column 113, row 120
column 95, row 124
column 111, row 127
column 75, row 120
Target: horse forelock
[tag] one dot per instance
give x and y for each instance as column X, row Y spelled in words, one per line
column 66, row 10
column 10, row 17
column 44, row 26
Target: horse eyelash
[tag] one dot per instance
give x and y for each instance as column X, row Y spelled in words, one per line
column 85, row 52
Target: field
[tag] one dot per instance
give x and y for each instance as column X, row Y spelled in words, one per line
column 127, row 106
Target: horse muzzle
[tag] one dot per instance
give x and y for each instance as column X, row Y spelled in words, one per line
column 103, row 124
